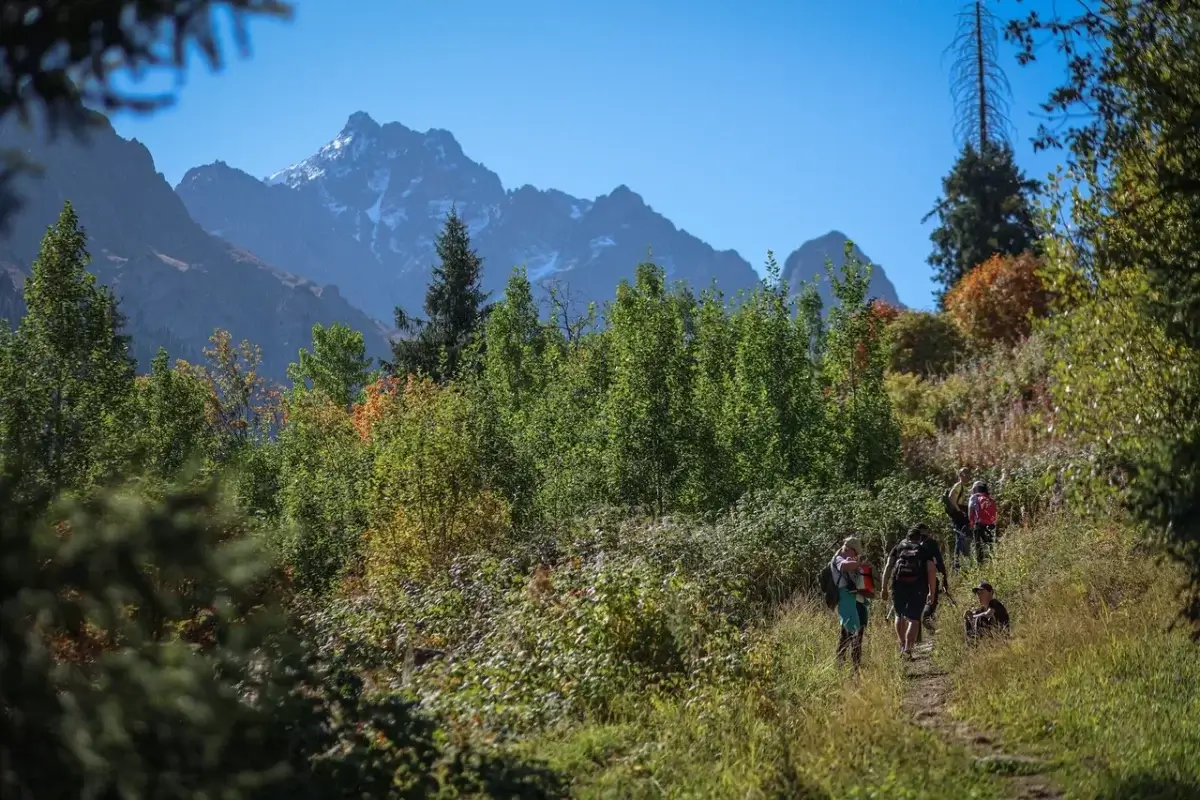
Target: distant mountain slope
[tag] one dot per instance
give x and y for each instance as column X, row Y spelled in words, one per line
column 808, row 262
column 175, row 281
column 363, row 212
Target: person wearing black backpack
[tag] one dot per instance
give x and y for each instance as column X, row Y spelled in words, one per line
column 842, row 572
column 911, row 577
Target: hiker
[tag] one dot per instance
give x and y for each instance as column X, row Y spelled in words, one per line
column 990, row 618
column 955, row 499
column 911, row 577
column 981, row 514
column 846, row 566
column 933, row 551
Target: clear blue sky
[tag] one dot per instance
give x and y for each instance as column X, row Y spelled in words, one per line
column 753, row 124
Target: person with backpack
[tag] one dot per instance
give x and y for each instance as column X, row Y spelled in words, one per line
column 956, row 500
column 911, row 577
column 981, row 514
column 842, row 575
column 934, row 553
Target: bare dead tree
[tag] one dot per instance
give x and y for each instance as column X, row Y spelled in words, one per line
column 978, row 85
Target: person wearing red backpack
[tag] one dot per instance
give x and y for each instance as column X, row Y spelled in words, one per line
column 981, row 515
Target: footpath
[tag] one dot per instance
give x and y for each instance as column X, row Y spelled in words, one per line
column 926, row 701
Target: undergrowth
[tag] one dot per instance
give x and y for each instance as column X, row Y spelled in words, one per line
column 1095, row 679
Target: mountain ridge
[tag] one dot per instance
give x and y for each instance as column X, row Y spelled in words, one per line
column 176, row 282
column 363, row 212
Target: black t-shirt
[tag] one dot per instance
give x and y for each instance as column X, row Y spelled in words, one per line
column 998, row 620
column 933, row 551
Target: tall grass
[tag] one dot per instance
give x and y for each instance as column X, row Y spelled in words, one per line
column 1094, row 679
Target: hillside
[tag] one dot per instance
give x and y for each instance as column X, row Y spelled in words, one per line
column 363, row 212
column 176, row 282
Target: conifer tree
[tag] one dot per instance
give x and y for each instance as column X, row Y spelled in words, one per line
column 70, row 373
column 454, row 309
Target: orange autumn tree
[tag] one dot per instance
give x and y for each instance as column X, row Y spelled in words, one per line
column 379, row 397
column 998, row 300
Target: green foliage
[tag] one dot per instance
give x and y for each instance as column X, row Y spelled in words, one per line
column 864, row 430
column 170, row 405
column 323, row 471
column 1131, row 243
column 338, row 366
column 924, row 344
column 985, row 209
column 454, row 310
column 646, row 408
column 68, row 374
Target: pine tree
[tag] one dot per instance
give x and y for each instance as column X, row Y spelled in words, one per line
column 454, row 309
column 985, row 210
column 985, row 207
column 70, row 373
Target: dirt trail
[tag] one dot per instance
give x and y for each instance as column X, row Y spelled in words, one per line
column 926, row 702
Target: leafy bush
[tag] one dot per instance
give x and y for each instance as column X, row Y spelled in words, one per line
column 998, row 300
column 925, row 344
column 428, row 497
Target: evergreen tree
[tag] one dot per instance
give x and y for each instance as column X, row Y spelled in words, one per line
column 454, row 309
column 985, row 209
column 338, row 365
column 70, row 377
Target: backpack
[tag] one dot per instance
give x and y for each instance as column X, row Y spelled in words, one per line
column 828, row 585
column 987, row 510
column 910, row 562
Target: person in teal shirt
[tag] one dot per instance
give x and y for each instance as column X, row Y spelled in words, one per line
column 851, row 607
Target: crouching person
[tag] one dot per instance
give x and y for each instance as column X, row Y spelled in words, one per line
column 989, row 619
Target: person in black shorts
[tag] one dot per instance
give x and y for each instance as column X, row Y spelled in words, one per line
column 930, row 543
column 911, row 578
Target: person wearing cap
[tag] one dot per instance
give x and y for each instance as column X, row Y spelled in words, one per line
column 851, row 607
column 991, row 617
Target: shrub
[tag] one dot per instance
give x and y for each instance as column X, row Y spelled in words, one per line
column 997, row 301
column 428, row 497
column 924, row 344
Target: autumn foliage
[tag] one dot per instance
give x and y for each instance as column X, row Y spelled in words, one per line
column 998, row 300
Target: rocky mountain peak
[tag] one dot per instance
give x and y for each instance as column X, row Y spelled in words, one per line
column 375, row 198
column 806, row 264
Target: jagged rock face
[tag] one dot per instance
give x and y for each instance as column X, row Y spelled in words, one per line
column 364, row 211
column 808, row 263
column 176, row 282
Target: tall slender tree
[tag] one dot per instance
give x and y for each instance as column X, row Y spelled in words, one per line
column 69, row 367
column 455, row 308
column 986, row 205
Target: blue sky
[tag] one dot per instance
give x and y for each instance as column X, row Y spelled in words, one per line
column 755, row 124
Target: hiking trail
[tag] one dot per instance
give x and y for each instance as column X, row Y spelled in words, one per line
column 926, row 701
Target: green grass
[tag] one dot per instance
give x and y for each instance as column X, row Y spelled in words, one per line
column 1092, row 681
column 799, row 728
column 1094, row 678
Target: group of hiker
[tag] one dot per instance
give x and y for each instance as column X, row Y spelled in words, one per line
column 915, row 577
